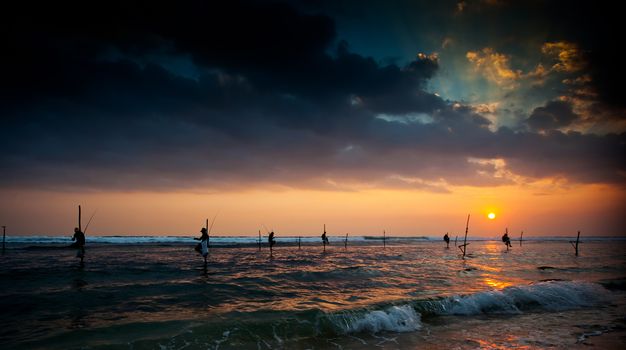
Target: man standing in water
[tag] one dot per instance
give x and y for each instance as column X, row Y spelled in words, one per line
column 203, row 247
column 447, row 240
column 325, row 240
column 506, row 239
column 271, row 241
column 79, row 238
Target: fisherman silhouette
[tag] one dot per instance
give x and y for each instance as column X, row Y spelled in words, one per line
column 79, row 238
column 506, row 240
column 447, row 240
column 270, row 240
column 203, row 247
column 324, row 240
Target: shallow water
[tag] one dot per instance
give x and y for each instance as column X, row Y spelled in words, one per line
column 410, row 294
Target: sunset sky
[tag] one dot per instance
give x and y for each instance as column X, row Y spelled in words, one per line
column 402, row 116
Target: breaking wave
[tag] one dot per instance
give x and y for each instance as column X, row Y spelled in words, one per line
column 548, row 296
column 402, row 318
column 542, row 296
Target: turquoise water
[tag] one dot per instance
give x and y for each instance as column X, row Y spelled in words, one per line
column 409, row 294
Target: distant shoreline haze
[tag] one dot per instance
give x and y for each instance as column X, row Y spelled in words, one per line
column 336, row 241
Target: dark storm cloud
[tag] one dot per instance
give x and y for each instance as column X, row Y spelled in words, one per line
column 278, row 98
column 554, row 115
column 594, row 26
column 513, row 27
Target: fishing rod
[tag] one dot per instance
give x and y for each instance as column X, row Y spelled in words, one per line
column 209, row 228
column 212, row 222
column 88, row 222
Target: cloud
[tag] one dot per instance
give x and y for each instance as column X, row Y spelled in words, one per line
column 568, row 55
column 494, row 66
column 554, row 115
column 274, row 98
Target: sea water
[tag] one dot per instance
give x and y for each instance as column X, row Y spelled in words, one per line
column 155, row 293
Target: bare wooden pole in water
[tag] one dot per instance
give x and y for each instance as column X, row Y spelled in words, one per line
column 82, row 255
column 455, row 238
column 463, row 246
column 384, row 239
column 299, row 240
column 207, row 233
column 577, row 241
column 346, row 242
column 521, row 238
column 269, row 241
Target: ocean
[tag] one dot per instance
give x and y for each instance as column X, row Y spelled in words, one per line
column 155, row 293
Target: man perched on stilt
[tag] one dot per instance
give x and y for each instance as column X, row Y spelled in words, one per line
column 271, row 241
column 324, row 238
column 506, row 239
column 203, row 246
column 79, row 238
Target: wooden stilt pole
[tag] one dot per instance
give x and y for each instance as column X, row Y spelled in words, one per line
column 384, row 239
column 299, row 240
column 270, row 244
column 455, row 238
column 346, row 242
column 463, row 246
column 82, row 255
column 207, row 233
column 521, row 238
column 577, row 241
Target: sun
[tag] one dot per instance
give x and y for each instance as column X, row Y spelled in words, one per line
column 491, row 216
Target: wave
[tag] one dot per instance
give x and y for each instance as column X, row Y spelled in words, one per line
column 541, row 296
column 405, row 316
column 546, row 296
column 399, row 319
column 283, row 329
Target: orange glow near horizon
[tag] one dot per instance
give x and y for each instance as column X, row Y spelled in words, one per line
column 597, row 210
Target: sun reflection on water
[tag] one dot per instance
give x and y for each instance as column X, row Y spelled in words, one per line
column 496, row 283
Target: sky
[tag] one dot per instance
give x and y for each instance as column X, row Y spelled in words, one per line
column 403, row 116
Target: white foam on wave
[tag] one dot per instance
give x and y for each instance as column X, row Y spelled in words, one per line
column 393, row 319
column 549, row 296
